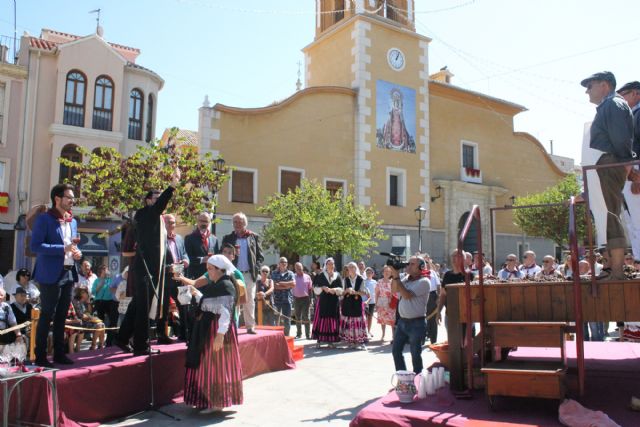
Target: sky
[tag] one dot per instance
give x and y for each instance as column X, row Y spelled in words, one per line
column 245, row 53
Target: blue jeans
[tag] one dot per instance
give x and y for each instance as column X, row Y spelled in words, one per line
column 597, row 331
column 413, row 332
column 55, row 299
column 284, row 308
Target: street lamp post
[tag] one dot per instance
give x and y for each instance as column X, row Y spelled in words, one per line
column 420, row 213
column 219, row 167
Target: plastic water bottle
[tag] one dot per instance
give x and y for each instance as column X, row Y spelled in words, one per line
column 431, row 386
column 422, row 384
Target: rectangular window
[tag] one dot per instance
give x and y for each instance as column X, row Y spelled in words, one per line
column 468, row 156
column 396, row 187
column 242, row 186
column 289, row 180
column 2, row 92
column 393, row 190
column 334, row 186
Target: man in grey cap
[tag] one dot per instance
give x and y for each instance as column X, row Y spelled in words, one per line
column 612, row 134
column 631, row 93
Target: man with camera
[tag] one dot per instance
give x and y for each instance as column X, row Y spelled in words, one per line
column 411, row 325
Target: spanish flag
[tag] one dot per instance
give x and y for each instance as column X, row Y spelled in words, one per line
column 4, row 202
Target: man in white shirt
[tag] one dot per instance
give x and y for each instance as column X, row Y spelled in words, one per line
column 529, row 266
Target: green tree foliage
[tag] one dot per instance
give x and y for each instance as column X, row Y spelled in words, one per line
column 116, row 185
column 551, row 222
column 312, row 221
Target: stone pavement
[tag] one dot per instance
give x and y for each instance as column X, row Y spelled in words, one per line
column 328, row 387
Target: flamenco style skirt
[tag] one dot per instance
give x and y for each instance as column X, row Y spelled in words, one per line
column 325, row 329
column 217, row 380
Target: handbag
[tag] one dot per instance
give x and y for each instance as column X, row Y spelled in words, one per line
column 393, row 304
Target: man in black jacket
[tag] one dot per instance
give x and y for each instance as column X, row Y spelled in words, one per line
column 147, row 266
column 175, row 253
column 200, row 245
column 248, row 260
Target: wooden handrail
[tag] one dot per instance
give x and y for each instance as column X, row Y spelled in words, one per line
column 585, row 182
column 473, row 215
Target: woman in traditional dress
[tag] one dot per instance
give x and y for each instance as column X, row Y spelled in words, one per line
column 328, row 287
column 213, row 378
column 386, row 314
column 353, row 324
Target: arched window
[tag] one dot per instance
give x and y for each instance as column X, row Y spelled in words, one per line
column 74, row 97
column 69, row 152
column 135, row 114
column 103, row 104
column 149, row 118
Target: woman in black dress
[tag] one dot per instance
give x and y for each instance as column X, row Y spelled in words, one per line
column 328, row 287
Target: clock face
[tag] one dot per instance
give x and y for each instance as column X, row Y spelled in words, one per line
column 395, row 57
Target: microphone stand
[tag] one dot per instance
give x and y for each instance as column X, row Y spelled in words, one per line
column 149, row 281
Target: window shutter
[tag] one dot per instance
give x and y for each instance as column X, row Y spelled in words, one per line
column 242, row 187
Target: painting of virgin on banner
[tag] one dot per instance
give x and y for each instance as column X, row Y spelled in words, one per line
column 395, row 117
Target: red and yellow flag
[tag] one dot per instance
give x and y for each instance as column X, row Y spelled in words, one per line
column 4, row 202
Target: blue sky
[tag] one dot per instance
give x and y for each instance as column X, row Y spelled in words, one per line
column 245, row 52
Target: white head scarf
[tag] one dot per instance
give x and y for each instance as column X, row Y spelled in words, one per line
column 222, row 262
column 324, row 266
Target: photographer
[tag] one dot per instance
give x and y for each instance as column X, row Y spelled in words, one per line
column 411, row 327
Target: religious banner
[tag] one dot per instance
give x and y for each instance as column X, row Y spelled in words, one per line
column 395, row 117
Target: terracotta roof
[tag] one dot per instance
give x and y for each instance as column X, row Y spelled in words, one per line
column 187, row 137
column 140, row 67
column 42, row 44
column 75, row 37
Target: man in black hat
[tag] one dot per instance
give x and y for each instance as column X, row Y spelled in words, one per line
column 631, row 93
column 612, row 134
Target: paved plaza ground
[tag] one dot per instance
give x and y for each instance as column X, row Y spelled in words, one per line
column 328, row 387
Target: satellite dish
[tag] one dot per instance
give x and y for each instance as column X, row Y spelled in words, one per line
column 100, row 31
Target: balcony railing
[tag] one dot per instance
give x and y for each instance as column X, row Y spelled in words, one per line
column 135, row 129
column 102, row 119
column 73, row 115
column 9, row 49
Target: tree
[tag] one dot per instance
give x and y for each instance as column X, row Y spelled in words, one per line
column 312, row 221
column 551, row 222
column 116, row 185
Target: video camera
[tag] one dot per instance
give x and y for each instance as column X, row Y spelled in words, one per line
column 396, row 262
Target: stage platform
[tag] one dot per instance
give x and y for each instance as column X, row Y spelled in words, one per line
column 612, row 377
column 107, row 384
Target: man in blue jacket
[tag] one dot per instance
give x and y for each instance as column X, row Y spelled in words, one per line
column 612, row 134
column 52, row 241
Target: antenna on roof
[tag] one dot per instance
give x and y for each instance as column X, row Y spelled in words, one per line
column 98, row 29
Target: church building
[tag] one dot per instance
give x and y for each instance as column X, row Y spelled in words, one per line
column 373, row 118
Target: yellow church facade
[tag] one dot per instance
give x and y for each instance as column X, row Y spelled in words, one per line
column 372, row 118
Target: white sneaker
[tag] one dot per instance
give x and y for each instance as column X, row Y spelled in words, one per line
column 209, row 411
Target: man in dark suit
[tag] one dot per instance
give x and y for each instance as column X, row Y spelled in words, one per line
column 147, row 266
column 175, row 254
column 200, row 245
column 52, row 240
column 248, row 260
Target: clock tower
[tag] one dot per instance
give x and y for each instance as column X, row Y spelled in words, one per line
column 371, row 46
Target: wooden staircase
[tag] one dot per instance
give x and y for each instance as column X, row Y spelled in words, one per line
column 526, row 378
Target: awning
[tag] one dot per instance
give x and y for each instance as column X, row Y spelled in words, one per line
column 93, row 244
